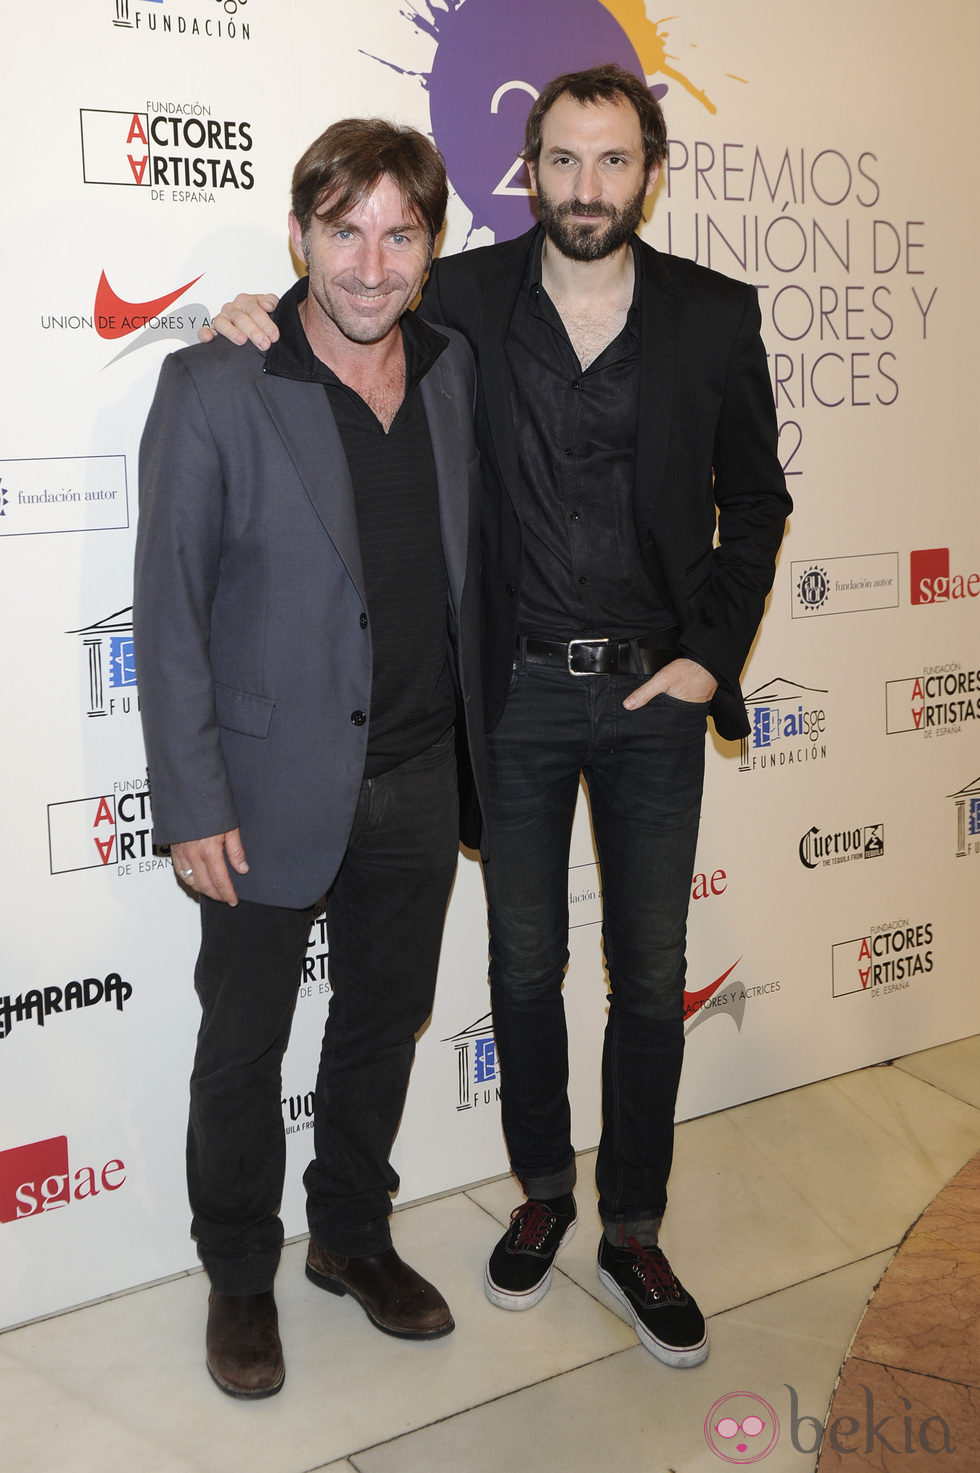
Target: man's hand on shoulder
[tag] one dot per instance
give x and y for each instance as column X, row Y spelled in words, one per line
column 200, row 864
column 683, row 679
column 245, row 320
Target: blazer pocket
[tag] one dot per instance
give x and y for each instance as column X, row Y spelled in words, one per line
column 239, row 711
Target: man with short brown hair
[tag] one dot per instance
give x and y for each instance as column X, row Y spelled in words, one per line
column 305, row 630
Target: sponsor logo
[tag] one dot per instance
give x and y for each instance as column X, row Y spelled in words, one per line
column 82, row 493
column 584, row 895
column 43, row 1003
column 493, row 57
column 177, row 151
column 36, row 1179
column 585, row 892
column 967, row 802
column 297, row 1112
column 930, row 581
column 110, row 669
column 888, row 959
column 476, row 1064
column 864, row 841
column 314, row 981
column 220, row 20
column 707, row 887
column 107, row 831
column 937, row 703
column 845, row 585
column 717, row 999
column 789, row 726
column 113, row 318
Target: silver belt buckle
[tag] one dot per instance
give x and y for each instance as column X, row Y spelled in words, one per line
column 572, row 642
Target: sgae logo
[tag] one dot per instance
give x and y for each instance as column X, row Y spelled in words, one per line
column 930, row 581
column 36, row 1179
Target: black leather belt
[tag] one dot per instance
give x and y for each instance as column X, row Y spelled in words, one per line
column 643, row 656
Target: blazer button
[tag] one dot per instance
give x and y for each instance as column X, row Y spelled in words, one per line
column 511, row 591
column 358, row 718
column 363, row 621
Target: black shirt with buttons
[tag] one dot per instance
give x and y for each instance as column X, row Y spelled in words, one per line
column 413, row 699
column 576, row 438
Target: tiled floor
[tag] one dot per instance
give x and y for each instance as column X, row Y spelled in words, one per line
column 918, row 1346
column 785, row 1214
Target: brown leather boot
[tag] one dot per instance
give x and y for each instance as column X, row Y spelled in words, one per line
column 243, row 1346
column 393, row 1296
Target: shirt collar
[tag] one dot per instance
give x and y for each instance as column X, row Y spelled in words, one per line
column 533, row 285
column 292, row 357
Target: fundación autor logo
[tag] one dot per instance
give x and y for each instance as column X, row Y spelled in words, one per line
column 742, row 1428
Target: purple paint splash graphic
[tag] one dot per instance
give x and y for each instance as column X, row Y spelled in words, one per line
column 492, row 59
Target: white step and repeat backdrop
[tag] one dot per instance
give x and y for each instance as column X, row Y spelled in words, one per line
column 824, row 154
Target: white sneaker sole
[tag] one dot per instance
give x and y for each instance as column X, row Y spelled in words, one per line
column 505, row 1299
column 694, row 1355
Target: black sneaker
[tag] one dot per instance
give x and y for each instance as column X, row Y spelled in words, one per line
column 519, row 1268
column 664, row 1315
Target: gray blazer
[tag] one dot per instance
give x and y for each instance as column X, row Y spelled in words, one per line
column 249, row 595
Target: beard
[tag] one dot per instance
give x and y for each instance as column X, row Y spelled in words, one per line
column 583, row 241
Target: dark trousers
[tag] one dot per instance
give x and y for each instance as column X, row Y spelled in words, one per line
column 384, row 914
column 644, row 772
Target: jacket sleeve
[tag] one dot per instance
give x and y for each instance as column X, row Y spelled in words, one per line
column 178, row 553
column 752, row 504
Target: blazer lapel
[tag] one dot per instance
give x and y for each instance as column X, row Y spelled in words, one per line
column 658, row 347
column 442, row 396
column 302, row 416
column 499, row 297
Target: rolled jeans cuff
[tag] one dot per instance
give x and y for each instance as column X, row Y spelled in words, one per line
column 646, row 1230
column 357, row 1242
column 543, row 1188
column 253, row 1274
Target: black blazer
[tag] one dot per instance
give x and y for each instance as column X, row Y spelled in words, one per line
column 706, row 456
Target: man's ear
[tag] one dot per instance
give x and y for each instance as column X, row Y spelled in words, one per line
column 296, row 236
column 532, row 170
column 652, row 178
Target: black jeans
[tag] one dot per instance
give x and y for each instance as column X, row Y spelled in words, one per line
column 644, row 770
column 385, row 914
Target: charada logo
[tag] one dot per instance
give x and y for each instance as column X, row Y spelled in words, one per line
column 42, row 1003
column 492, row 59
